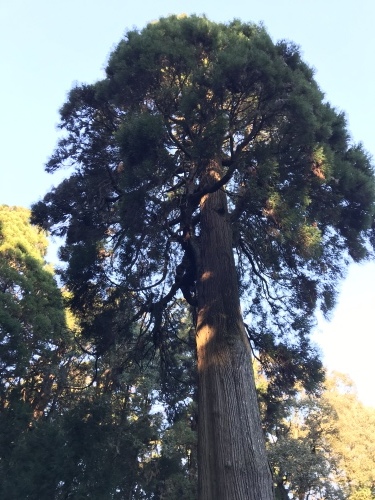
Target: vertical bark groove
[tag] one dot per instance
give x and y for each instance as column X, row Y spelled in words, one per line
column 232, row 459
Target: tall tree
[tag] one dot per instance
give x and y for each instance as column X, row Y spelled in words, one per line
column 206, row 166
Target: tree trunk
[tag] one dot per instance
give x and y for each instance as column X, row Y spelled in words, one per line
column 232, row 461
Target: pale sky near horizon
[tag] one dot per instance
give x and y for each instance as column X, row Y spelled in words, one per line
column 47, row 46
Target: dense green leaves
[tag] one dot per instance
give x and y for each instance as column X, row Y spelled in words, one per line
column 181, row 98
column 354, row 442
column 32, row 321
column 72, row 425
column 303, row 462
column 177, row 94
column 323, row 446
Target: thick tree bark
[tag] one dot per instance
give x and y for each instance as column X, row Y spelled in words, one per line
column 231, row 451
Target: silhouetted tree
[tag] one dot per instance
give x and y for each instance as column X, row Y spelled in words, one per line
column 207, row 166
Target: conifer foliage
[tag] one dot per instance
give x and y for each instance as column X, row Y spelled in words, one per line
column 32, row 320
column 71, row 425
column 205, row 167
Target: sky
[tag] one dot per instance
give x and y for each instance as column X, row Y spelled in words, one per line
column 46, row 47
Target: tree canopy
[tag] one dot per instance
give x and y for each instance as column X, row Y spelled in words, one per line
column 72, row 425
column 178, row 93
column 354, row 442
column 206, row 166
column 32, row 320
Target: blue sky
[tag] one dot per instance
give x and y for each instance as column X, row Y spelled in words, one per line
column 47, row 46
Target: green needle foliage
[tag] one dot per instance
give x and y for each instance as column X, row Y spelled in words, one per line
column 32, row 319
column 206, row 166
column 73, row 426
column 33, row 343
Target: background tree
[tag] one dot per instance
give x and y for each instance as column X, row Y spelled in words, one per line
column 322, row 445
column 302, row 458
column 32, row 319
column 354, row 442
column 207, row 166
column 33, row 336
column 73, row 425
